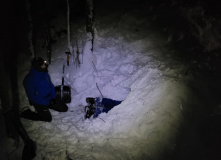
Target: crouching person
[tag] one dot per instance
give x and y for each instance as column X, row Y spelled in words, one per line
column 99, row 105
column 41, row 93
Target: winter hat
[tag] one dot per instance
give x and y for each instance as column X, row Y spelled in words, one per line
column 37, row 62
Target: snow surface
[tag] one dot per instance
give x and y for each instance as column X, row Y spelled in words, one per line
column 130, row 62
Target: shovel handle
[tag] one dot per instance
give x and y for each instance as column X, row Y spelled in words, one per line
column 62, row 81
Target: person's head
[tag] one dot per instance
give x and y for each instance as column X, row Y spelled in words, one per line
column 39, row 64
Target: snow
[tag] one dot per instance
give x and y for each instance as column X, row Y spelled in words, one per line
column 129, row 62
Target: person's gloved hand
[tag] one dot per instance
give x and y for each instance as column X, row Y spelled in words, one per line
column 52, row 102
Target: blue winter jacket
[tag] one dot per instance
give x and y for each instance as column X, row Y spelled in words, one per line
column 38, row 87
column 104, row 105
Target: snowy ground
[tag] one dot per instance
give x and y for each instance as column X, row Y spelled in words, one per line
column 130, row 62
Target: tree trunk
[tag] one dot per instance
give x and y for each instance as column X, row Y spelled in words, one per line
column 30, row 33
column 90, row 20
column 48, row 41
column 70, row 48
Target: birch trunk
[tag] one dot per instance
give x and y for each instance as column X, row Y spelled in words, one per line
column 70, row 48
column 90, row 21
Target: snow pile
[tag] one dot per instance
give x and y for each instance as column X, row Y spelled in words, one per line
column 128, row 63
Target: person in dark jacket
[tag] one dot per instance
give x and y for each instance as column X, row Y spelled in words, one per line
column 99, row 105
column 41, row 93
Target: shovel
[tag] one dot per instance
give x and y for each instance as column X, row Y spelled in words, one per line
column 63, row 92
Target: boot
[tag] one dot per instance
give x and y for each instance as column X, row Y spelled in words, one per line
column 89, row 111
column 90, row 100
